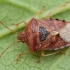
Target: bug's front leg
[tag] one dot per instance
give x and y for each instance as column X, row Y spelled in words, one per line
column 21, row 55
column 22, row 22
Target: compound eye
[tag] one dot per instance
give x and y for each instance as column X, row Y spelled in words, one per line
column 43, row 33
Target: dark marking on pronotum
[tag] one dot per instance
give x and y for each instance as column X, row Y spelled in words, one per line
column 44, row 33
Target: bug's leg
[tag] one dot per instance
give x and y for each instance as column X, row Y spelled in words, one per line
column 43, row 54
column 62, row 52
column 49, row 15
column 40, row 12
column 19, row 56
column 38, row 55
column 20, row 23
column 52, row 11
column 38, row 58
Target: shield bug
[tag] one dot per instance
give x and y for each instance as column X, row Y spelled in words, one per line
column 41, row 35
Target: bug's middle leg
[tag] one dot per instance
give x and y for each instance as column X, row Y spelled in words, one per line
column 43, row 54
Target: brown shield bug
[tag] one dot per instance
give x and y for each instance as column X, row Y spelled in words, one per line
column 47, row 34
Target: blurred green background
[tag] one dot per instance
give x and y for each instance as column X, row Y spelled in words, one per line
column 14, row 11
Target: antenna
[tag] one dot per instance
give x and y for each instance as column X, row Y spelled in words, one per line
column 8, row 48
column 8, row 28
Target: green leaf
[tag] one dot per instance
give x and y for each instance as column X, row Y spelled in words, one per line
column 15, row 11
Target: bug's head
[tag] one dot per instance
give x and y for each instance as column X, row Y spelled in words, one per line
column 21, row 37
